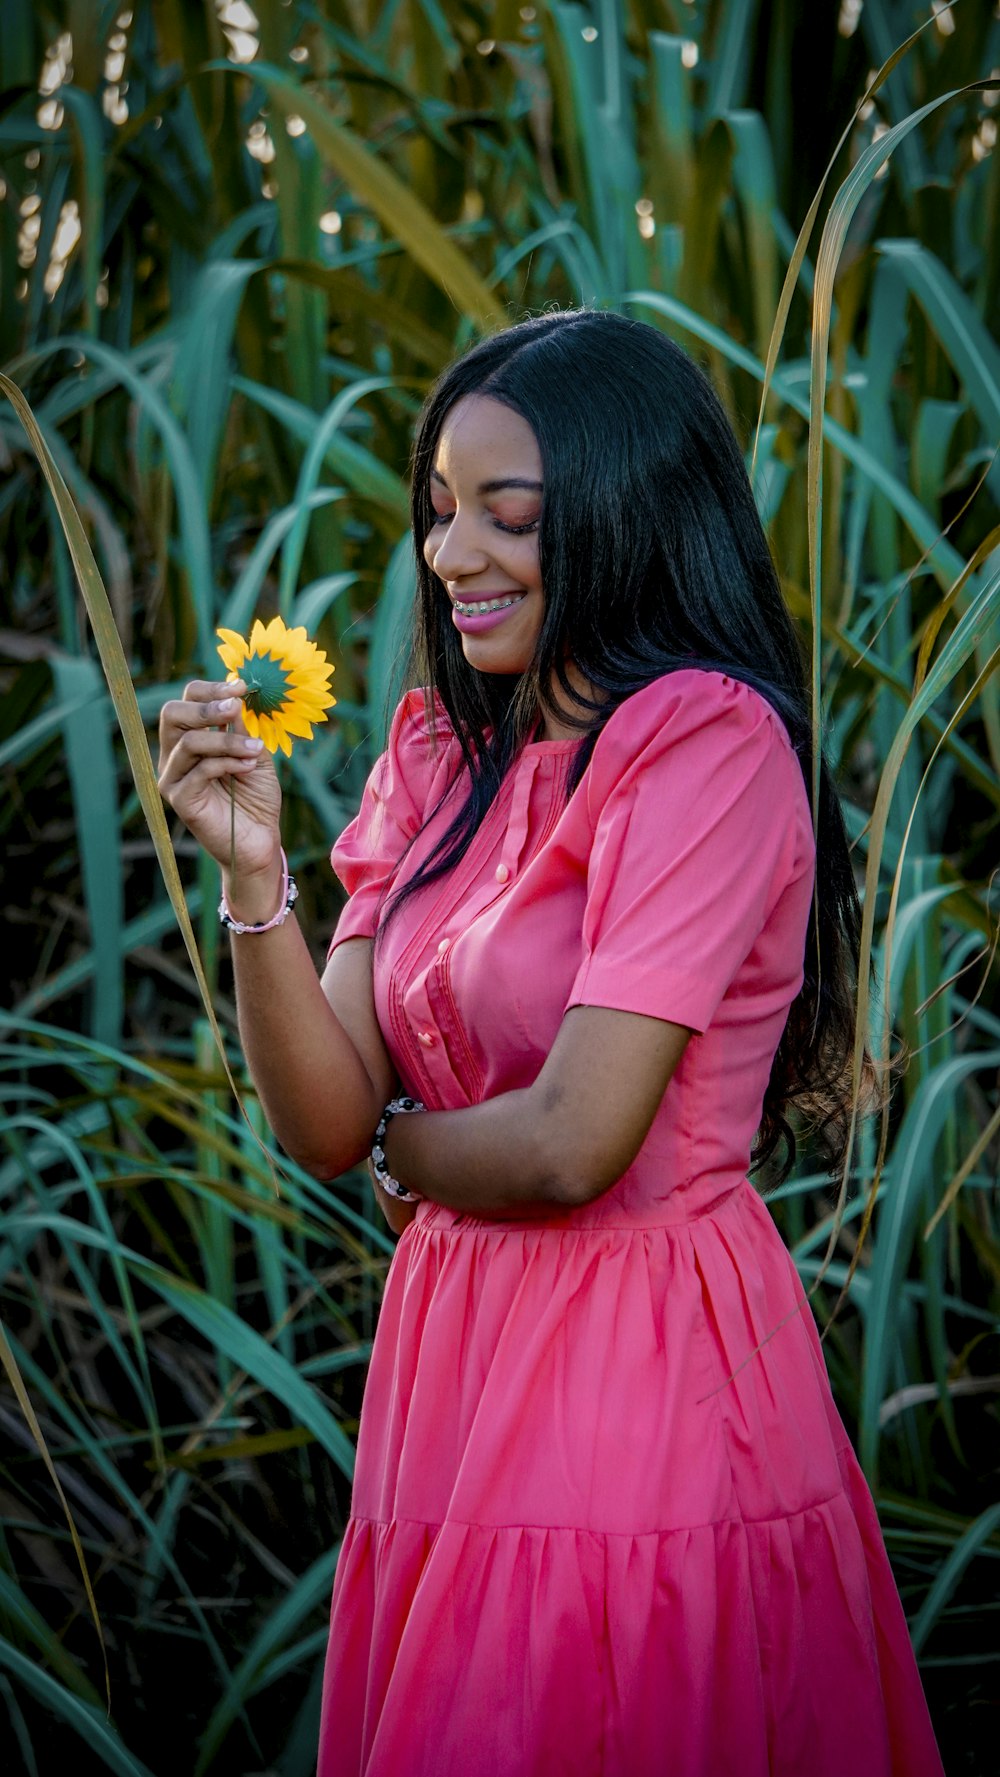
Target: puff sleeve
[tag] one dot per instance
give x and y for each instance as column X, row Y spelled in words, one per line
column 700, row 823
column 405, row 784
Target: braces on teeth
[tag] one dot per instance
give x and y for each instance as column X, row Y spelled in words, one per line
column 479, row 606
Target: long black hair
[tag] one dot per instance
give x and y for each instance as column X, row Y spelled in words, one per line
column 652, row 558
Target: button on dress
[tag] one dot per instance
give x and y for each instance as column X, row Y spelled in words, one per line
column 606, row 1521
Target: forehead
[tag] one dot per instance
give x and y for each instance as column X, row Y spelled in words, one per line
column 481, row 439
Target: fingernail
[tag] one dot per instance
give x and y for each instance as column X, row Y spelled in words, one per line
column 228, row 706
column 252, row 744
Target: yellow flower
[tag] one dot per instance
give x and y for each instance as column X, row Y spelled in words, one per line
column 288, row 679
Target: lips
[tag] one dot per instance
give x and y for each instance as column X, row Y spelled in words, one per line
column 474, row 616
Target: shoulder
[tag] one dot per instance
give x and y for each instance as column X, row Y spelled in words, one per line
column 694, row 723
column 420, row 726
column 408, row 779
column 421, row 753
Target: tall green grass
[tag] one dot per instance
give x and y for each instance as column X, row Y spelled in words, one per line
column 227, row 389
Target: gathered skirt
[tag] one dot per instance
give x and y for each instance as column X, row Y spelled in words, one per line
column 606, row 1520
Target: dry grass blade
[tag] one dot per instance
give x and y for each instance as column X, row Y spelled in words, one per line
column 879, row 820
column 947, row 604
column 16, row 1381
column 972, row 1158
column 805, row 232
column 827, row 260
column 119, row 680
column 398, row 208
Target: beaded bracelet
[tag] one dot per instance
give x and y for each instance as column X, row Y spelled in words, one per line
column 289, row 895
column 379, row 1167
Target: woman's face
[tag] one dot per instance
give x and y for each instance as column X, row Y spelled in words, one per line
column 486, row 490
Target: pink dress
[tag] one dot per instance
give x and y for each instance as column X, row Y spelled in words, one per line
column 606, row 1520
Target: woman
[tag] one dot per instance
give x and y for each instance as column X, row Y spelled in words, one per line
column 606, row 1520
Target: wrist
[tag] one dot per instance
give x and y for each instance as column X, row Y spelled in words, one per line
column 381, row 1169
column 253, row 896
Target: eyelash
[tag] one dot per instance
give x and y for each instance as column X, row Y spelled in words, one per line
column 510, row 530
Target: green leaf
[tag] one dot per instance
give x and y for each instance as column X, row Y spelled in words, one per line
column 119, row 680
column 190, row 505
column 312, row 463
column 226, row 1332
column 400, row 212
column 310, row 1593
column 949, row 1575
column 965, row 341
column 90, row 762
column 392, row 634
column 351, row 462
column 901, row 1213
column 941, row 554
column 354, row 300
column 18, row 1608
column 86, row 1720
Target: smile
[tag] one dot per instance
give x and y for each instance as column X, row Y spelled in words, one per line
column 479, row 607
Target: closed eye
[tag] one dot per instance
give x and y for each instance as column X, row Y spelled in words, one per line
column 510, row 530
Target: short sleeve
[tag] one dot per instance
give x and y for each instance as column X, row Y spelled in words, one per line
column 405, row 783
column 701, row 819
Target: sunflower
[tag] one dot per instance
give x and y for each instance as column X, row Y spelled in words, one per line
column 288, row 679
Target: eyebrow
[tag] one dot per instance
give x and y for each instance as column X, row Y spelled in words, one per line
column 495, row 487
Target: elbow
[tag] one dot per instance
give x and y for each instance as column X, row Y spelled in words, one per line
column 326, row 1167
column 572, row 1185
column 569, row 1173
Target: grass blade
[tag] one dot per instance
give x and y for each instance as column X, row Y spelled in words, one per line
column 398, row 209
column 119, row 678
column 87, row 1721
column 93, row 779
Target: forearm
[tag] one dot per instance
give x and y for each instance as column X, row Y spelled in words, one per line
column 561, row 1142
column 494, row 1158
column 316, row 1090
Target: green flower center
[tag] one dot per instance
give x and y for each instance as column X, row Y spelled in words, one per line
column 268, row 684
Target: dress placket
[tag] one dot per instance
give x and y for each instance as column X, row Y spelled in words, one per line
column 442, row 1057
column 518, row 820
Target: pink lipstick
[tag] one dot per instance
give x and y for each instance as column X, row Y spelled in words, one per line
column 475, row 623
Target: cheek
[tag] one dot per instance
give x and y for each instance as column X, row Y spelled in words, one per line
column 532, row 570
column 521, row 554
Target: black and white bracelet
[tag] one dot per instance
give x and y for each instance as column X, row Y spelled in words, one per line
column 379, row 1167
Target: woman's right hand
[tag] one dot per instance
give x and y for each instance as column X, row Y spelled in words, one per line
column 204, row 750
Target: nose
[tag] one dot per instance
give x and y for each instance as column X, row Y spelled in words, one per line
column 454, row 550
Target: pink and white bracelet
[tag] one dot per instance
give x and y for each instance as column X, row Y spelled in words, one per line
column 289, row 895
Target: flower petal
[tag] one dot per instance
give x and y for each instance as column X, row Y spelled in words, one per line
column 294, row 721
column 233, row 651
column 274, row 637
column 268, row 732
column 284, row 741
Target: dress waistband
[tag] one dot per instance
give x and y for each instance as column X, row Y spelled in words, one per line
column 605, row 1216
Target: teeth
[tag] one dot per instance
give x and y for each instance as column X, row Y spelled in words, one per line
column 479, row 606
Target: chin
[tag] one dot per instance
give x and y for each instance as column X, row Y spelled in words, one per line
column 507, row 656
column 504, row 662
